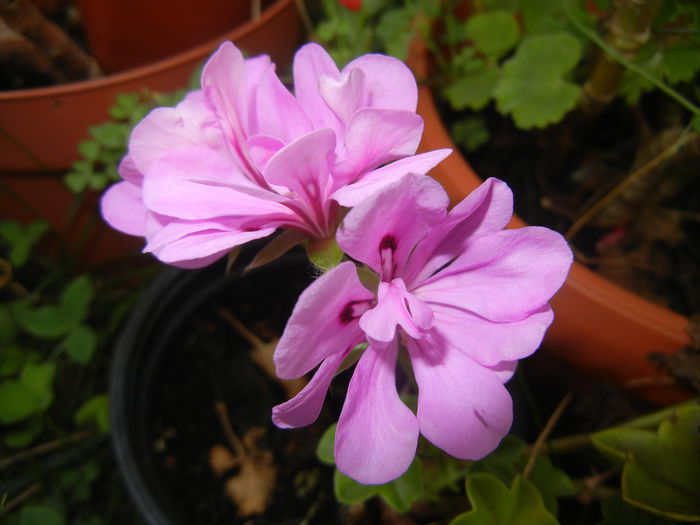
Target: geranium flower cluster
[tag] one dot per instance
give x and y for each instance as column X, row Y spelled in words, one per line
column 463, row 297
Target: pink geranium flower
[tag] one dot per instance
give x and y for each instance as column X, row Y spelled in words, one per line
column 242, row 157
column 463, row 296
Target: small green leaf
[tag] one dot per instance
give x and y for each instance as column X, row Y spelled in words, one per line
column 695, row 123
column 23, row 436
column 39, row 378
column 401, row 493
column 552, row 482
column 493, row 503
column 394, row 31
column 45, row 321
column 658, row 474
column 12, row 359
column 80, row 344
column 324, row 449
column 616, row 512
column 473, row 90
column 94, row 410
column 470, row 133
column 349, row 491
column 17, row 402
column 22, row 239
column 76, row 298
column 40, row 515
column 532, row 85
column 8, row 329
column 503, row 462
column 494, row 33
column 76, row 182
column 89, row 149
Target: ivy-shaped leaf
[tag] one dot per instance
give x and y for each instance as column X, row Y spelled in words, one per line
column 324, row 449
column 94, row 410
column 349, row 491
column 661, row 472
column 494, row 33
column 45, row 321
column 616, row 511
column 39, row 378
column 22, row 239
column 473, row 90
column 80, row 344
column 532, row 86
column 17, row 402
column 40, row 515
column 24, row 435
column 76, row 298
column 493, row 503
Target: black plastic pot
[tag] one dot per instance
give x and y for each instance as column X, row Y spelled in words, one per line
column 151, row 345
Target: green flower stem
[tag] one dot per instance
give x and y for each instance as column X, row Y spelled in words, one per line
column 648, row 421
column 617, row 57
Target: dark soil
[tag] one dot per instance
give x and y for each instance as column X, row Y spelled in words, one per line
column 649, row 240
column 208, row 362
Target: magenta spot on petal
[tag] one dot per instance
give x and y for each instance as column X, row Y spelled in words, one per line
column 387, row 247
column 480, row 418
column 353, row 310
column 388, row 243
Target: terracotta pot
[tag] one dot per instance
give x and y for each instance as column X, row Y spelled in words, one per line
column 41, row 128
column 600, row 330
column 122, row 34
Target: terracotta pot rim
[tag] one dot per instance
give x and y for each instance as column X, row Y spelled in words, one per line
column 193, row 54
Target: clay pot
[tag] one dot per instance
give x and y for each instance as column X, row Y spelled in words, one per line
column 600, row 331
column 41, row 128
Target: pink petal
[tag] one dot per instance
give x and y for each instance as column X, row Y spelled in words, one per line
column 129, row 172
column 122, row 207
column 196, row 183
column 485, row 210
column 376, row 136
column 304, row 408
column 504, row 370
column 503, row 276
column 197, row 244
column 390, row 83
column 383, row 230
column 262, row 148
column 463, row 408
column 375, row 181
column 488, row 342
column 164, row 130
column 278, row 113
column 310, row 62
column 377, row 434
column 324, row 322
column 395, row 307
column 344, row 93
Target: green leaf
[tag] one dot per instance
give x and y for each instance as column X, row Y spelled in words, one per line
column 22, row 239
column 76, row 298
column 543, row 16
column 125, row 104
column 45, row 321
column 349, row 491
column 324, row 449
column 80, row 344
column 94, row 410
column 23, row 436
column 8, row 328
column 493, row 503
column 76, row 182
column 661, row 473
column 89, row 149
column 473, row 90
column 12, row 359
column 39, row 378
column 552, row 482
column 616, row 512
column 532, row 85
column 470, row 133
column 394, row 31
column 494, row 33
column 40, row 515
column 17, row 402
column 401, row 493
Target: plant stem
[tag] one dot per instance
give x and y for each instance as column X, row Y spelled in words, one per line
column 546, row 431
column 44, row 448
column 617, row 57
column 646, row 422
column 643, row 170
